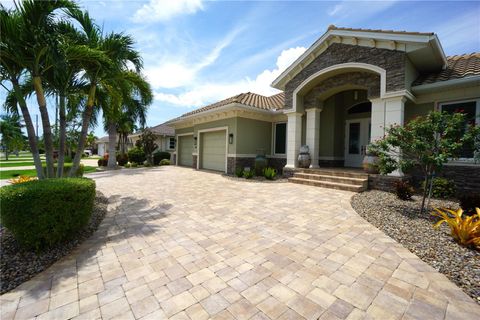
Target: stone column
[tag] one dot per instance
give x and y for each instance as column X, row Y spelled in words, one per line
column 378, row 119
column 294, row 136
column 313, row 134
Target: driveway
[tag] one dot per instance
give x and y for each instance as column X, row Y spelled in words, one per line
column 183, row 244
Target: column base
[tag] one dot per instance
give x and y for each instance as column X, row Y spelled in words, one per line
column 314, row 166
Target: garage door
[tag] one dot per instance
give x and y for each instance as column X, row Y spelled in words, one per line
column 185, row 149
column 213, row 146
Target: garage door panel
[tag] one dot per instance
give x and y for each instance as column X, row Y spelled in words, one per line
column 185, row 151
column 214, row 150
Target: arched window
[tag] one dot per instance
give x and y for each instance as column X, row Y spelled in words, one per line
column 361, row 107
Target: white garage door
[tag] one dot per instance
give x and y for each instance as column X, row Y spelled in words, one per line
column 185, row 149
column 213, row 154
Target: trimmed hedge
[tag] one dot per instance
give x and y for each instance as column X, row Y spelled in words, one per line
column 45, row 212
column 66, row 169
column 136, row 155
column 159, row 156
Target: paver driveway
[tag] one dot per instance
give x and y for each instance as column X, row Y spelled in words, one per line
column 185, row 244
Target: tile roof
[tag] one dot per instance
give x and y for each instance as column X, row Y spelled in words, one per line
column 275, row 102
column 333, row 27
column 163, row 129
column 458, row 67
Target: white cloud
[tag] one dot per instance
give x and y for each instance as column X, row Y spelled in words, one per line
column 164, row 10
column 336, row 9
column 459, row 33
column 353, row 11
column 204, row 93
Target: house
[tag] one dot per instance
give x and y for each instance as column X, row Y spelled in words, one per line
column 165, row 139
column 336, row 98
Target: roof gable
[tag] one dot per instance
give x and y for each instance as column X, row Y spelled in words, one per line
column 423, row 49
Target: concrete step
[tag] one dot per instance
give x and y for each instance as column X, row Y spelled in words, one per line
column 328, row 184
column 331, row 178
column 333, row 172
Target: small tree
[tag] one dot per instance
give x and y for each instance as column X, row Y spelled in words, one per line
column 147, row 144
column 427, row 143
column 11, row 131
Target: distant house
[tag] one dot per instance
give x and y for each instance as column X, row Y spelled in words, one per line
column 337, row 97
column 165, row 139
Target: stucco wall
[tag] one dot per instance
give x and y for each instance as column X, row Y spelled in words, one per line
column 392, row 61
column 413, row 110
column 253, row 135
column 231, row 123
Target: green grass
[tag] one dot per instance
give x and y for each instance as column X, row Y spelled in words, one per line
column 9, row 174
column 15, row 164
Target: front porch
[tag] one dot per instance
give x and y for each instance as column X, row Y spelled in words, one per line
column 348, row 179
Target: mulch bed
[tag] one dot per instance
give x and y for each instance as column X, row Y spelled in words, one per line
column 402, row 221
column 277, row 179
column 18, row 265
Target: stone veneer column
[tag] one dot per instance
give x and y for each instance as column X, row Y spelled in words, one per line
column 294, row 136
column 313, row 134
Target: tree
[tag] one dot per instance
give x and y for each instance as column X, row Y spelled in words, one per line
column 427, row 143
column 91, row 138
column 11, row 130
column 147, row 144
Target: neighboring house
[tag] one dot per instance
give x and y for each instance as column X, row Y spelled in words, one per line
column 165, row 139
column 337, row 97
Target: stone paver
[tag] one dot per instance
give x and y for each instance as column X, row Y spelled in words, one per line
column 183, row 244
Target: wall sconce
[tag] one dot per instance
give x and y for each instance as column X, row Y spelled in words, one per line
column 355, row 95
column 230, row 138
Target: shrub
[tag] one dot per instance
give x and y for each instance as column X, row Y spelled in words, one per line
column 45, row 212
column 159, row 156
column 66, row 169
column 128, row 165
column 67, row 159
column 464, row 229
column 239, row 172
column 165, row 162
column 404, row 190
column 269, row 173
column 442, row 188
column 469, row 201
column 134, row 165
column 248, row 174
column 22, row 179
column 122, row 159
column 136, row 155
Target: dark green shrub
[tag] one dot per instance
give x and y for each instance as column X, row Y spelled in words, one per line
column 469, row 201
column 442, row 188
column 67, row 159
column 404, row 190
column 45, row 212
column 134, row 165
column 136, row 155
column 165, row 162
column 239, row 172
column 66, row 169
column 122, row 159
column 248, row 174
column 269, row 173
column 159, row 156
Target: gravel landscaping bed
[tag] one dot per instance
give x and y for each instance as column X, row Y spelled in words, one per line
column 401, row 220
column 18, row 266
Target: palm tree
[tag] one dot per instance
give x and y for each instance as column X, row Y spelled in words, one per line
column 12, row 70
column 11, row 130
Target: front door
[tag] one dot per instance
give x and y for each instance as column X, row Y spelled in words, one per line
column 357, row 138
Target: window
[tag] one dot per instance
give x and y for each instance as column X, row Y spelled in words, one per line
column 361, row 107
column 472, row 110
column 280, row 138
column 171, row 143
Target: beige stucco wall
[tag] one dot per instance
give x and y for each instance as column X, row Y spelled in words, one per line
column 253, row 135
column 413, row 110
column 231, row 123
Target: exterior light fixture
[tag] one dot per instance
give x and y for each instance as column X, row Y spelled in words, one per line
column 230, row 138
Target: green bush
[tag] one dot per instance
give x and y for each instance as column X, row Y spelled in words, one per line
column 248, row 174
column 269, row 173
column 66, row 169
column 133, row 165
column 67, row 159
column 239, row 172
column 442, row 188
column 404, row 190
column 128, row 165
column 136, row 155
column 165, row 162
column 45, row 212
column 122, row 159
column 159, row 156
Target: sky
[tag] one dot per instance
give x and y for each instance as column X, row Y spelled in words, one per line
column 197, row 52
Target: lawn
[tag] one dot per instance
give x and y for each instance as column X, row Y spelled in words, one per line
column 9, row 174
column 15, row 164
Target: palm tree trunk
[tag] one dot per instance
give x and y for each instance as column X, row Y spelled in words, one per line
column 47, row 129
column 112, row 139
column 32, row 137
column 62, row 137
column 87, row 116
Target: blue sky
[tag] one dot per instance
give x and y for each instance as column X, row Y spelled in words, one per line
column 197, row 52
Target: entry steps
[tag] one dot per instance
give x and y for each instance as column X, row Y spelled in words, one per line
column 332, row 178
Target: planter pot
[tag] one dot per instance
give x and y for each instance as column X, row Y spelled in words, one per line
column 369, row 164
column 304, row 160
